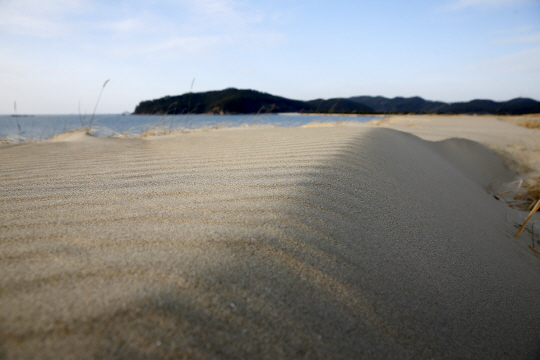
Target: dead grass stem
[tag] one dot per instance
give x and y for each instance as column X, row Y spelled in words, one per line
column 534, row 209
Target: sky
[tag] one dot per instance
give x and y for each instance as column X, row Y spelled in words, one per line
column 55, row 55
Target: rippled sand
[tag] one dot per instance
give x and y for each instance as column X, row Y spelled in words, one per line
column 351, row 241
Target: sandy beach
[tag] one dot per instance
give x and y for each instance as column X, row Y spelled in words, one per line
column 389, row 240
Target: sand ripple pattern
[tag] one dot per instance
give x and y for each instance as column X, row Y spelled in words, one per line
column 343, row 242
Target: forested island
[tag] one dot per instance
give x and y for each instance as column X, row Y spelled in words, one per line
column 237, row 101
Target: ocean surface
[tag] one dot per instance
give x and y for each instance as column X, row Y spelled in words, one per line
column 41, row 127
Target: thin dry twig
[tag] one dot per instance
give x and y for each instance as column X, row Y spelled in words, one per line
column 536, row 207
column 533, row 249
column 97, row 102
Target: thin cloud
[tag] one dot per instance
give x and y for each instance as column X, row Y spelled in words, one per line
column 182, row 47
column 125, row 26
column 525, row 39
column 162, row 28
column 225, row 12
column 521, row 63
column 174, row 47
column 457, row 5
column 192, row 28
column 37, row 18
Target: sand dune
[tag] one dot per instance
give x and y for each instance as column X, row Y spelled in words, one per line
column 518, row 145
column 337, row 242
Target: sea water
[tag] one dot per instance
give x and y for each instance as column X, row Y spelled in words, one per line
column 40, row 127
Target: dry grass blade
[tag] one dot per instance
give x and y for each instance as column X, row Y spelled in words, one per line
column 533, row 249
column 527, row 193
column 97, row 102
column 536, row 207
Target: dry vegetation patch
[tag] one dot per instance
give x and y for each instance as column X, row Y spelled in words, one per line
column 527, row 193
column 530, row 121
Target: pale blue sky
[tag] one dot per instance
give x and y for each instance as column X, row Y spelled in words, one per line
column 55, row 54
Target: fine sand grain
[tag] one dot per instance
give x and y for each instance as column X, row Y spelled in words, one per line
column 343, row 242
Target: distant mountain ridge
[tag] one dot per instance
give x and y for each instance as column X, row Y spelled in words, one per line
column 400, row 104
column 418, row 105
column 237, row 101
column 339, row 105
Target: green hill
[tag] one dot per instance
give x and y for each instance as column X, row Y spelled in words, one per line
column 228, row 101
